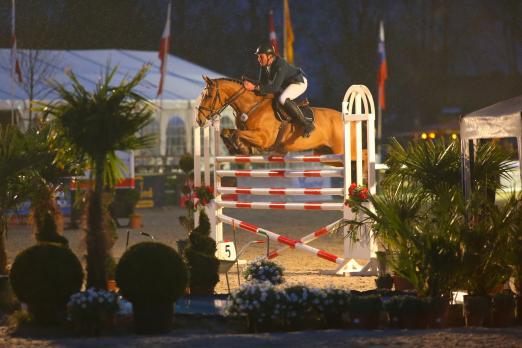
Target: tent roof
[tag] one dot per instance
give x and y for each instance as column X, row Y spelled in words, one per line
column 507, row 107
column 500, row 120
column 183, row 81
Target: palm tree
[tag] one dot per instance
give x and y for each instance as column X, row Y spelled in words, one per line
column 98, row 123
column 15, row 164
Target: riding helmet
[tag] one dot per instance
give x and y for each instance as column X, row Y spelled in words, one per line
column 265, row 48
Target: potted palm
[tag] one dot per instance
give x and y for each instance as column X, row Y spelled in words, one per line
column 96, row 124
column 484, row 260
column 513, row 207
column 15, row 164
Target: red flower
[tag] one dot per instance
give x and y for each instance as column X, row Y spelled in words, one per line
column 352, row 187
column 363, row 195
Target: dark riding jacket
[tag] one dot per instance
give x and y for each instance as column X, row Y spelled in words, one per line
column 276, row 77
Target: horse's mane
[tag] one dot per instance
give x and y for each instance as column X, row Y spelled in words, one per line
column 238, row 81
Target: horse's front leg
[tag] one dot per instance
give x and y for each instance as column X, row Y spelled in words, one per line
column 256, row 139
column 234, row 144
column 228, row 136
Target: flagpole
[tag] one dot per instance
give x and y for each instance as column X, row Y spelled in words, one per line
column 284, row 29
column 379, row 132
column 164, row 56
column 13, row 62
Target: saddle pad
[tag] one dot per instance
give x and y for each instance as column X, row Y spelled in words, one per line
column 281, row 115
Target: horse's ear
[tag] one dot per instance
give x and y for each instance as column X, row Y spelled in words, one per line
column 207, row 80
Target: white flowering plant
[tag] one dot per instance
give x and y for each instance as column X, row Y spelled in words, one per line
column 261, row 303
column 262, row 270
column 93, row 307
column 335, row 304
column 304, row 307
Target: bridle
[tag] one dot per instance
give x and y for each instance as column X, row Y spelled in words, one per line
column 212, row 113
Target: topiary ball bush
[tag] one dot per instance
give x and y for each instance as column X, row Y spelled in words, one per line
column 151, row 272
column 44, row 276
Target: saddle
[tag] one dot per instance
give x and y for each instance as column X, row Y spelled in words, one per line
column 303, row 104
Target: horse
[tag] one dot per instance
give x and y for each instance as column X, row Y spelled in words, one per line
column 258, row 130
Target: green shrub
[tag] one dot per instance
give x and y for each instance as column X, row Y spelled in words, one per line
column 202, row 263
column 45, row 275
column 151, row 272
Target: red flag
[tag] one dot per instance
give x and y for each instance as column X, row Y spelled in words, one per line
column 383, row 69
column 15, row 63
column 164, row 51
column 272, row 32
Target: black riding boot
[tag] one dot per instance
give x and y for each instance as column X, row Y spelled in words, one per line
column 293, row 110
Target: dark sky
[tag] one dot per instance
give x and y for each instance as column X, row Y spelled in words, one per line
column 463, row 53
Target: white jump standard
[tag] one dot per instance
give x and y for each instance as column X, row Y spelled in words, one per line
column 357, row 107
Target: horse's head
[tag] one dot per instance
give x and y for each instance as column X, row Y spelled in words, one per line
column 210, row 102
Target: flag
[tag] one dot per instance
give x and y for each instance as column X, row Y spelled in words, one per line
column 383, row 69
column 272, row 32
column 289, row 34
column 164, row 51
column 15, row 63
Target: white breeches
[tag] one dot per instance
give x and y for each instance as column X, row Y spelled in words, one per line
column 293, row 91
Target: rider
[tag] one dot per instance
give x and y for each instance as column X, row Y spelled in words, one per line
column 277, row 76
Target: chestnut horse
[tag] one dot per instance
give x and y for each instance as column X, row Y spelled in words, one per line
column 257, row 126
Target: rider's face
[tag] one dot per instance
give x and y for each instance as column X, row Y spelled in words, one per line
column 264, row 59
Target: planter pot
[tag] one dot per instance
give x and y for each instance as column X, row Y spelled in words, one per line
column 368, row 321
column 201, row 290
column 455, row 316
column 401, row 284
column 503, row 312
column 518, row 305
column 438, row 313
column 94, row 327
column 336, row 320
column 384, row 282
column 476, row 310
column 256, row 326
column 47, row 313
column 135, row 221
column 152, row 318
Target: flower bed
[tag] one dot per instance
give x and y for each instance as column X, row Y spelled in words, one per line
column 93, row 311
column 265, row 307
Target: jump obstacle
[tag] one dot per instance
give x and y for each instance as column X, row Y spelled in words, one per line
column 357, row 107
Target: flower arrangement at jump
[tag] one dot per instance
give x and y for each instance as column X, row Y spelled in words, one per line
column 194, row 198
column 93, row 310
column 357, row 194
column 261, row 270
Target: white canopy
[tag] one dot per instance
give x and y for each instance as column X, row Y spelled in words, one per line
column 183, row 81
column 500, row 120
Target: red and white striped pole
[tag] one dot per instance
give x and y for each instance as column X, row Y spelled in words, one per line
column 292, row 243
column 309, row 237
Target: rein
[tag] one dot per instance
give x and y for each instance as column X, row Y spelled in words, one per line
column 217, row 98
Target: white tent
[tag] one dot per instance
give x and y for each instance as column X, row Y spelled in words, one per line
column 500, row 120
column 183, row 84
column 183, row 80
